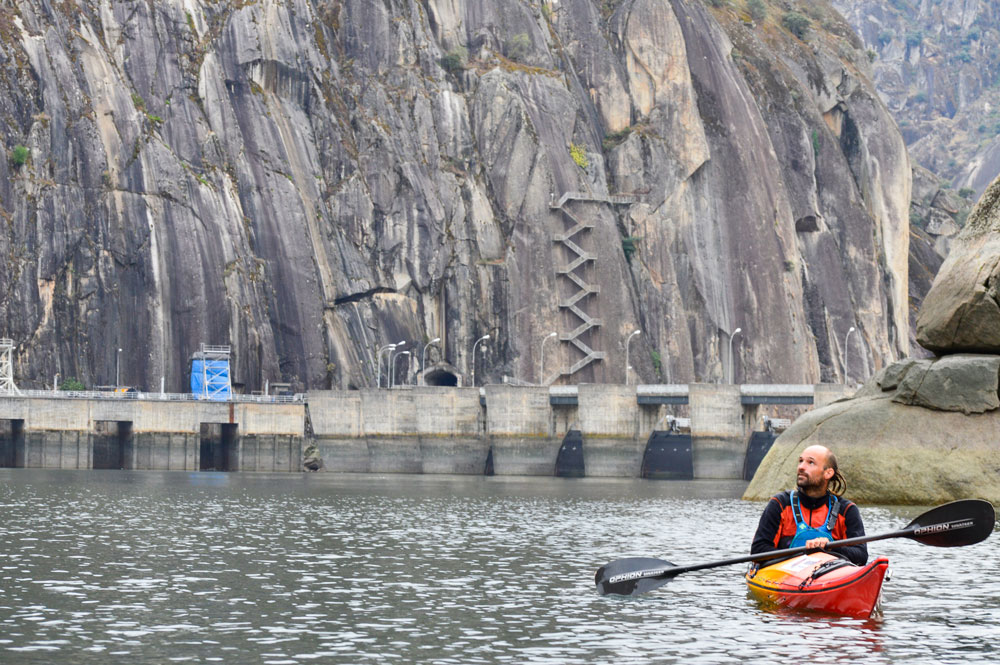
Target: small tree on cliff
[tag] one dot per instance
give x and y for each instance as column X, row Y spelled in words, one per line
column 19, row 156
column 518, row 47
column 454, row 62
column 757, row 9
column 796, row 23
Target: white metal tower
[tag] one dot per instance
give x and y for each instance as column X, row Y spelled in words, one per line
column 7, row 386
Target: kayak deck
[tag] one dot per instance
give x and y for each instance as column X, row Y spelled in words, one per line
column 820, row 582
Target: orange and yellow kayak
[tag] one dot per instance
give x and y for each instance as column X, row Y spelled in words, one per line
column 820, row 582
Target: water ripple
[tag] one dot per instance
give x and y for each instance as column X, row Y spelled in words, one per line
column 169, row 567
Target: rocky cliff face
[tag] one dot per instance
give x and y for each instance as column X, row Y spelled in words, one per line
column 311, row 180
column 937, row 66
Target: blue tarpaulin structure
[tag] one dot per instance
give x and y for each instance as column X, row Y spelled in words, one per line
column 210, row 379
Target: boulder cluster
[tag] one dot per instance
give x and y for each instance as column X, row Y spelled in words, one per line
column 922, row 431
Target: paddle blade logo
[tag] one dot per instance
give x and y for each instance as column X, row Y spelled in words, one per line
column 966, row 530
column 949, row 526
column 636, row 574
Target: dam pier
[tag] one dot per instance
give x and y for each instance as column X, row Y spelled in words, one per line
column 595, row 430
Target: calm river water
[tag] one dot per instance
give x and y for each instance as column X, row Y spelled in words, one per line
column 149, row 567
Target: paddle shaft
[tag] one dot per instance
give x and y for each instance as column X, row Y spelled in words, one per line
column 775, row 554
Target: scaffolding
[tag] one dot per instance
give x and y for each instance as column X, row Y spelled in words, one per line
column 210, row 375
column 7, row 386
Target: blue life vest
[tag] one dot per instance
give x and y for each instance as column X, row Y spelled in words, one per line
column 803, row 531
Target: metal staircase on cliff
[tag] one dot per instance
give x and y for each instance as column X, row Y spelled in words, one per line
column 613, row 199
column 571, row 239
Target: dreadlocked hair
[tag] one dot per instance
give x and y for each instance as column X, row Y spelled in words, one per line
column 838, row 485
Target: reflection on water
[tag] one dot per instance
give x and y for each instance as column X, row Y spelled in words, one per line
column 136, row 567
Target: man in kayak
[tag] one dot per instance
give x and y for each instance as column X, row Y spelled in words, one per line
column 814, row 513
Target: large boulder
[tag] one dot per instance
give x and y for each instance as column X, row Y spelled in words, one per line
column 963, row 382
column 919, row 432
column 961, row 313
column 891, row 453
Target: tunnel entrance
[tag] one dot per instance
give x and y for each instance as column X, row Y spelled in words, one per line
column 12, row 443
column 220, row 447
column 112, row 443
column 440, row 377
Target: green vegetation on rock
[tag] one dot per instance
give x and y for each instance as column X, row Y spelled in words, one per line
column 630, row 246
column 614, row 139
column 518, row 47
column 796, row 23
column 19, row 156
column 72, row 384
column 454, row 62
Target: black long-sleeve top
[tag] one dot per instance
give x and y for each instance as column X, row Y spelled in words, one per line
column 777, row 525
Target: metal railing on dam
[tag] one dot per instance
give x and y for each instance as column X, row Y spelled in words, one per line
column 512, row 430
column 163, row 397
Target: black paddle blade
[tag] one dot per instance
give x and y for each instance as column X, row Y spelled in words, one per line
column 630, row 577
column 955, row 524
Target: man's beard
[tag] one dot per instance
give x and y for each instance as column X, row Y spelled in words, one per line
column 803, row 483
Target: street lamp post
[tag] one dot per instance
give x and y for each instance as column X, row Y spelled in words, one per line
column 627, row 365
column 541, row 367
column 846, row 338
column 391, row 367
column 118, row 364
column 423, row 359
column 392, row 374
column 378, row 357
column 733, row 334
column 481, row 339
column 388, row 366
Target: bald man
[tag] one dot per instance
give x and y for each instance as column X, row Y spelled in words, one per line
column 814, row 513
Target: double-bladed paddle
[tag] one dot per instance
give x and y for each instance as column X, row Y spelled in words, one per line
column 951, row 525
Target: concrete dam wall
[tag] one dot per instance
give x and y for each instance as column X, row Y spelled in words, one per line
column 150, row 434
column 697, row 430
